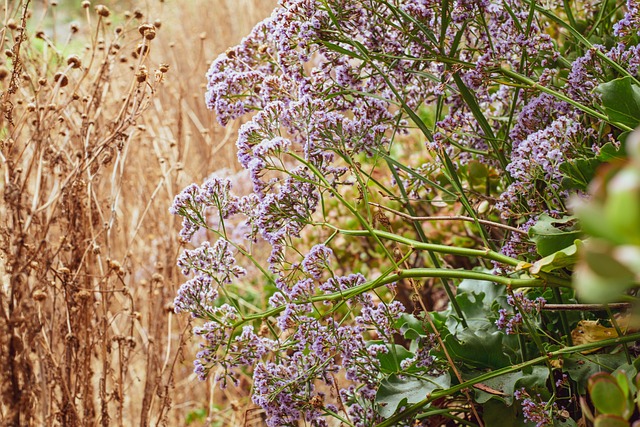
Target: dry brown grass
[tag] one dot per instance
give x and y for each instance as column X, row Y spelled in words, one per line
column 90, row 159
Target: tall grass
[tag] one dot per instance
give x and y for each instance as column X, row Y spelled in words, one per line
column 102, row 122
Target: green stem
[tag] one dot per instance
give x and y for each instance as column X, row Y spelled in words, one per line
column 533, row 85
column 413, row 273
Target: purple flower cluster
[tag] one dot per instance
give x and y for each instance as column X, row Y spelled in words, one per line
column 534, row 411
column 327, row 85
column 511, row 322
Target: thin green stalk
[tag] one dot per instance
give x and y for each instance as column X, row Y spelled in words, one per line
column 451, row 250
column 413, row 273
column 533, row 85
column 448, row 288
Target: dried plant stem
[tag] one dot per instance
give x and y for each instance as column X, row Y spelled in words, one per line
column 450, row 218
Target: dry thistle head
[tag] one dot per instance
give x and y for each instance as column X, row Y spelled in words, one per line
column 86, row 4
column 103, row 10
column 163, row 68
column 157, row 23
column 12, row 24
column 138, row 14
column 74, row 27
column 74, row 61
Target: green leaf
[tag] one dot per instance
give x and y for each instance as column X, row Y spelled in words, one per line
column 549, row 238
column 621, row 101
column 504, row 383
column 390, row 362
column 563, row 258
column 496, row 413
column 396, row 391
column 480, row 348
column 411, row 327
column 580, row 367
column 610, row 421
column 609, row 152
column 606, row 395
column 578, row 173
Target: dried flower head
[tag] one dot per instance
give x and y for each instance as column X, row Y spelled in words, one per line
column 103, row 10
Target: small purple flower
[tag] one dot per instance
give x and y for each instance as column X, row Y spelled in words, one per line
column 534, row 411
column 317, row 260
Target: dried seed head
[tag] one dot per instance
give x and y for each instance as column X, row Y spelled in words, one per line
column 74, row 27
column 86, row 4
column 74, row 61
column 144, row 28
column 138, row 14
column 150, row 35
column 39, row 295
column 141, row 49
column 157, row 23
column 61, row 78
column 202, row 35
column 119, row 29
column 54, row 3
column 142, row 74
column 8, row 53
column 12, row 24
column 52, row 107
column 157, row 278
column 4, row 72
column 42, row 81
column 163, row 68
column 40, row 34
column 31, row 107
column 83, row 294
column 103, row 10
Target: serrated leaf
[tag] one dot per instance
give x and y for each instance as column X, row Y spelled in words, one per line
column 561, row 259
column 395, row 391
column 549, row 238
column 621, row 101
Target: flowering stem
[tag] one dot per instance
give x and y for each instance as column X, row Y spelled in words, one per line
column 411, row 410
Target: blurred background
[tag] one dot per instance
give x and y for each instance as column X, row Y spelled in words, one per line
column 103, row 122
